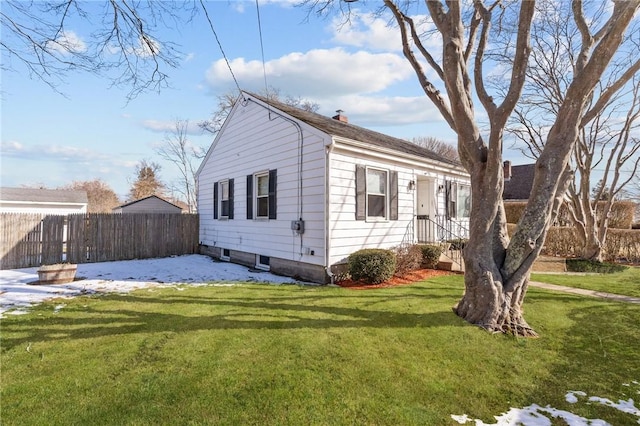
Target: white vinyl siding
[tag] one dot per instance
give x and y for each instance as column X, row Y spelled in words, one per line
column 256, row 141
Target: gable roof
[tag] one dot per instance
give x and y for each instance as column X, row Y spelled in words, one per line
column 351, row 131
column 146, row 198
column 36, row 195
column 520, row 184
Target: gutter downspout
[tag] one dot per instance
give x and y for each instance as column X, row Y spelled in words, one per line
column 327, row 210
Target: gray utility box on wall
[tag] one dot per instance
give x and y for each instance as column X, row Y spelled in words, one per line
column 298, row 226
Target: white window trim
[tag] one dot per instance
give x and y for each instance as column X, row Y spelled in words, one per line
column 222, row 255
column 261, row 265
column 456, row 188
column 255, row 195
column 221, row 199
column 384, row 218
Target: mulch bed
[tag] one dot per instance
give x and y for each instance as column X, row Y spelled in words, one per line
column 409, row 278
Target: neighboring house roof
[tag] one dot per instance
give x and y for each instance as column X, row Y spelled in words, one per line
column 519, row 186
column 346, row 130
column 146, row 198
column 34, row 195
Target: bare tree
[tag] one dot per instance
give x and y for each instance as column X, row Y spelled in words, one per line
column 147, row 181
column 177, row 149
column 605, row 142
column 497, row 268
column 101, row 197
column 125, row 45
column 437, row 146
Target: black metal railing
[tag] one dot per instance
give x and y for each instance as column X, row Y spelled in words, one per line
column 429, row 231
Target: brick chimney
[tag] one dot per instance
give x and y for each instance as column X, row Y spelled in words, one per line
column 340, row 116
column 506, row 170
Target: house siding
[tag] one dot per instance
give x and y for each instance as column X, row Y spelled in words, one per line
column 256, row 139
column 349, row 234
column 258, row 142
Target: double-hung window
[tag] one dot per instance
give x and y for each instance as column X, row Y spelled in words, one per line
column 376, row 194
column 463, row 201
column 223, row 199
column 458, row 197
column 261, row 195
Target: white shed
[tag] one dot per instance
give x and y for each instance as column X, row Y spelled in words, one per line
column 295, row 192
column 42, row 201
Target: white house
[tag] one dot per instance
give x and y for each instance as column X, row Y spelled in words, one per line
column 295, row 192
column 150, row 204
column 42, row 201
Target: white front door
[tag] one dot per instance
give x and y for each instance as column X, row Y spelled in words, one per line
column 426, row 198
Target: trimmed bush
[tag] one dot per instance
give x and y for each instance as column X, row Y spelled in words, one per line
column 620, row 217
column 585, row 265
column 430, row 256
column 513, row 210
column 372, row 266
column 458, row 243
column 408, row 258
column 621, row 245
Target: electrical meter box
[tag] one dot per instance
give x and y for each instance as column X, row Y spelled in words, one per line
column 297, row 226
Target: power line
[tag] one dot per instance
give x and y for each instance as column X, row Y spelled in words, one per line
column 220, row 45
column 264, row 69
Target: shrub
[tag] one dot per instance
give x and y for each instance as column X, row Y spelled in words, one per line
column 408, row 258
column 430, row 256
column 513, row 210
column 585, row 265
column 458, row 243
column 621, row 245
column 372, row 266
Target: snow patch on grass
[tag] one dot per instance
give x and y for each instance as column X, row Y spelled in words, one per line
column 535, row 415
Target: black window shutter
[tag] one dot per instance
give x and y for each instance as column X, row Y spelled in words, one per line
column 361, row 193
column 393, row 194
column 230, row 198
column 249, row 196
column 447, row 199
column 215, row 200
column 273, row 185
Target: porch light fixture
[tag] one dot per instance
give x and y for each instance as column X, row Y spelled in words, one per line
column 412, row 185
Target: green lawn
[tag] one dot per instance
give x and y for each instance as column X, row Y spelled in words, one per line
column 291, row 355
column 626, row 282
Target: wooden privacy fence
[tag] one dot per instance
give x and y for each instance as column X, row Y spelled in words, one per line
column 33, row 240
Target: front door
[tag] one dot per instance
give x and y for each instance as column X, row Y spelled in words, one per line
column 426, row 198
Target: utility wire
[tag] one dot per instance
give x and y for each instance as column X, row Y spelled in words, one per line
column 264, row 69
column 220, row 45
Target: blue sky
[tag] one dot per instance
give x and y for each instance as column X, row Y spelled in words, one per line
column 93, row 132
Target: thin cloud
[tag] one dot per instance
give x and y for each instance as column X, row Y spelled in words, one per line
column 67, row 43
column 168, row 126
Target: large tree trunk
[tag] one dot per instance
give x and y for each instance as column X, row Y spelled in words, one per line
column 496, row 269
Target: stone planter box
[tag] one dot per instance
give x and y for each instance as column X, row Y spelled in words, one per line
column 57, row 274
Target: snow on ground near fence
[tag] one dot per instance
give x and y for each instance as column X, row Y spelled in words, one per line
column 16, row 294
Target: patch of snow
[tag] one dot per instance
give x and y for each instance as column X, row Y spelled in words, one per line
column 624, row 406
column 462, row 419
column 571, row 397
column 58, row 308
column 535, row 415
column 16, row 294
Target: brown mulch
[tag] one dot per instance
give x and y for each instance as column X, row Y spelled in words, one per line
column 408, row 278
